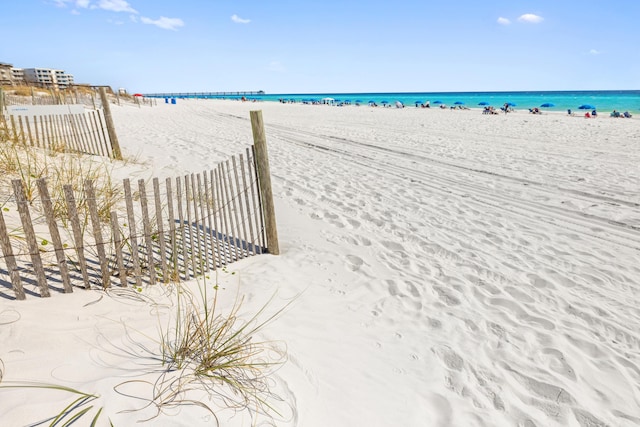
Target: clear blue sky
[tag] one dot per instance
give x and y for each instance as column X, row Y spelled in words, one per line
column 286, row 46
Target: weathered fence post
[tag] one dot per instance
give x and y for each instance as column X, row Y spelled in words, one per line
column 264, row 181
column 12, row 266
column 30, row 237
column 115, row 145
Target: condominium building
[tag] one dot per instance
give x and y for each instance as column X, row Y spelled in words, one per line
column 44, row 77
column 6, row 74
column 18, row 76
column 47, row 77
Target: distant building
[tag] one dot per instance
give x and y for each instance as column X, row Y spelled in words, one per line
column 18, row 76
column 6, row 74
column 47, row 77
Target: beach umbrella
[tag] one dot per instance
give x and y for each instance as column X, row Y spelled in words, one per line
column 483, row 103
column 458, row 103
column 418, row 102
column 548, row 104
column 138, row 94
column 358, row 101
column 511, row 104
column 384, row 102
column 437, row 102
column 586, row 107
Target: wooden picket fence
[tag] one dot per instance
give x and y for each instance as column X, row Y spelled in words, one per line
column 163, row 231
column 85, row 133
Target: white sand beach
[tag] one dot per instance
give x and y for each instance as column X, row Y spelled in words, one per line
column 443, row 268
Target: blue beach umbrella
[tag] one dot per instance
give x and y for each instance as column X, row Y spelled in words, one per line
column 358, row 101
column 548, row 104
column 384, row 102
column 483, row 103
column 458, row 103
column 511, row 104
column 586, row 107
column 437, row 102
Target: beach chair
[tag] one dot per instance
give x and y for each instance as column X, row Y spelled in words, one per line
column 626, row 114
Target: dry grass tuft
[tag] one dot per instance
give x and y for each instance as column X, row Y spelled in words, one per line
column 212, row 359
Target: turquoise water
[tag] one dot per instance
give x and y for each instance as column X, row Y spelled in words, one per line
column 604, row 101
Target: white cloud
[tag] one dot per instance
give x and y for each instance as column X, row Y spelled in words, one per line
column 164, row 22
column 594, row 52
column 83, row 4
column 238, row 20
column 531, row 18
column 114, row 6
column 503, row 21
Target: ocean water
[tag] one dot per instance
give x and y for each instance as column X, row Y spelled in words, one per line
column 603, row 101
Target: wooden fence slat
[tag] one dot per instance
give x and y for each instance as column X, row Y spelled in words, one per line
column 259, row 207
column 192, row 238
column 255, row 200
column 72, row 140
column 234, row 198
column 30, row 237
column 49, row 140
column 85, row 129
column 133, row 238
column 172, row 228
column 203, row 226
column 226, row 248
column 226, row 181
column 251, row 247
column 81, row 139
column 28, row 123
column 244, row 244
column 77, row 233
column 117, row 243
column 61, row 142
column 13, row 127
column 47, row 206
column 217, row 227
column 97, row 232
column 12, row 266
column 196, row 223
column 96, row 131
column 24, row 141
column 160, row 225
column 105, row 135
column 146, row 225
column 183, row 231
column 212, row 236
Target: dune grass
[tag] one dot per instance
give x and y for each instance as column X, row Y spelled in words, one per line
column 30, row 164
column 205, row 351
column 75, row 413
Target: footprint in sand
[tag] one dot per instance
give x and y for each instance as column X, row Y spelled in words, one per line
column 449, row 357
column 354, row 262
column 446, row 296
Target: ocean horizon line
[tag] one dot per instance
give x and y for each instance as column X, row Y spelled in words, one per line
column 603, row 100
